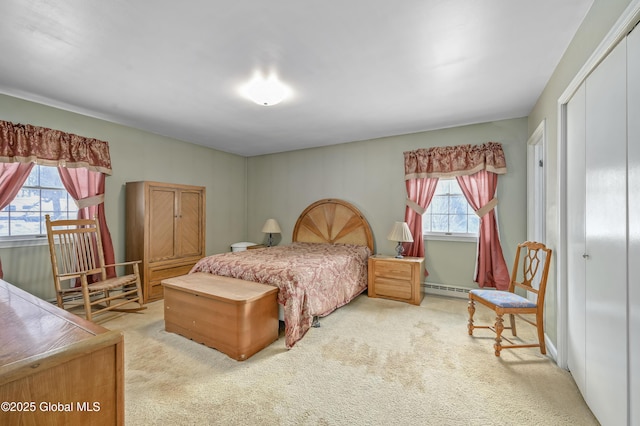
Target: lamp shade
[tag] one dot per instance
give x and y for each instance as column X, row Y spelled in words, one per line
column 400, row 233
column 271, row 227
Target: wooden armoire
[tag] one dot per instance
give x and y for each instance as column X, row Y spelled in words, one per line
column 165, row 229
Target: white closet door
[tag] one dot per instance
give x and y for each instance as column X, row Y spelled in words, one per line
column 576, row 288
column 606, row 239
column 633, row 114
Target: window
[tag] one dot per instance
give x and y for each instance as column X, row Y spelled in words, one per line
column 449, row 214
column 42, row 193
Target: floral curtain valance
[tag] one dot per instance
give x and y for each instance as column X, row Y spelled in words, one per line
column 24, row 143
column 450, row 161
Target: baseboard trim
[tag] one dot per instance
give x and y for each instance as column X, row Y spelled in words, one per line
column 552, row 351
column 446, row 290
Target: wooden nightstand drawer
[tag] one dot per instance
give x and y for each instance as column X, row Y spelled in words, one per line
column 395, row 289
column 391, row 269
column 397, row 279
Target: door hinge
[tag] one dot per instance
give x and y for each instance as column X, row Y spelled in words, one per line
column 540, row 163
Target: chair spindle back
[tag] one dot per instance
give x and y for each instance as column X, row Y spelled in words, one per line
column 78, row 248
column 533, row 256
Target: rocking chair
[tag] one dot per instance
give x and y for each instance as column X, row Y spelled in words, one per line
column 80, row 273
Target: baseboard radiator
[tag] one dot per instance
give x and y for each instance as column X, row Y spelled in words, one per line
column 446, row 290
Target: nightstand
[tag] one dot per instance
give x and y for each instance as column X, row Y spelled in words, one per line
column 397, row 279
column 256, row 246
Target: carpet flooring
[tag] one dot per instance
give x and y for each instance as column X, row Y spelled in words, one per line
column 372, row 362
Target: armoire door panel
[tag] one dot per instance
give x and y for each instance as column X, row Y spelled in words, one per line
column 190, row 223
column 576, row 287
column 605, row 233
column 162, row 230
column 633, row 179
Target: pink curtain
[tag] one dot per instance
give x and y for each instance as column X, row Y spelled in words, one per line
column 12, row 177
column 87, row 188
column 82, row 162
column 419, row 195
column 479, row 189
column 476, row 167
column 24, row 143
column 451, row 161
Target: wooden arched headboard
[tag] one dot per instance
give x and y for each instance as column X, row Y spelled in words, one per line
column 333, row 221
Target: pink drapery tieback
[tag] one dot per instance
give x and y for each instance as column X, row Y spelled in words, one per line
column 487, row 207
column 415, row 206
column 89, row 201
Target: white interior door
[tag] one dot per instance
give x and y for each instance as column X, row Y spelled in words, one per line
column 576, row 284
column 536, row 194
column 606, row 244
column 536, row 202
column 633, row 176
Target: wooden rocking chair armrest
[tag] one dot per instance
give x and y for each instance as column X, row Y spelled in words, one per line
column 131, row 262
column 70, row 275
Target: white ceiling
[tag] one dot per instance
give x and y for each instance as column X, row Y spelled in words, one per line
column 359, row 69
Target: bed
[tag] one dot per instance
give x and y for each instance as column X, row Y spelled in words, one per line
column 324, row 268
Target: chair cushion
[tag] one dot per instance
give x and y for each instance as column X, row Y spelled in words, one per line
column 504, row 299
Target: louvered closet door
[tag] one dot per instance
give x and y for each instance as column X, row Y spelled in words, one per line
column 605, row 236
column 633, row 106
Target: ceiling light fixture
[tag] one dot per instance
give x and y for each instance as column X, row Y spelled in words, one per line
column 265, row 91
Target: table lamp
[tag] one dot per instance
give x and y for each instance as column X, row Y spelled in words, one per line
column 402, row 234
column 271, row 227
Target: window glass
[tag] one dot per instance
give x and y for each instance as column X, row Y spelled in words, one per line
column 41, row 194
column 449, row 212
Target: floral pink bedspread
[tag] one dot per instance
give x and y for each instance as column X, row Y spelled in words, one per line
column 314, row 279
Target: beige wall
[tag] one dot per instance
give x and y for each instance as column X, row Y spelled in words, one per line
column 597, row 23
column 366, row 173
column 135, row 155
column 369, row 174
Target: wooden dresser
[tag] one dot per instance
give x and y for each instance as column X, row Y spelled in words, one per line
column 397, row 279
column 165, row 229
column 55, row 367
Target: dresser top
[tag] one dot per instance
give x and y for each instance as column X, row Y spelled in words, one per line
column 31, row 326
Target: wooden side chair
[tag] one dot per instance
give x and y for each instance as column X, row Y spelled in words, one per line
column 80, row 273
column 533, row 255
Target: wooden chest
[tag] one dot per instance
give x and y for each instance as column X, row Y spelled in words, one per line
column 236, row 317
